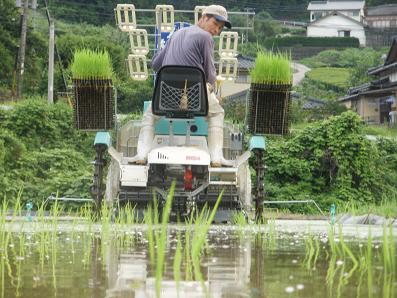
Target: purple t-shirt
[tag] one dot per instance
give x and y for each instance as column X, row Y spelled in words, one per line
column 191, row 46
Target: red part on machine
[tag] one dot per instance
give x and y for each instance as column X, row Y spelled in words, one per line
column 188, row 178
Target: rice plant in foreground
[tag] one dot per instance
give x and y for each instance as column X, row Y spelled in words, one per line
column 312, row 245
column 200, row 236
column 89, row 64
column 272, row 68
column 162, row 239
column 239, row 219
column 389, row 258
column 178, row 262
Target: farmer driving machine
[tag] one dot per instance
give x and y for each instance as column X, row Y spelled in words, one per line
column 179, row 151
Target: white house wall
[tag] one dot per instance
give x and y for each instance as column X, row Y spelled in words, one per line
column 330, row 26
column 356, row 14
column 393, row 77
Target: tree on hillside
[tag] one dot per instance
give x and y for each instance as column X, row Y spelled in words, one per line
column 9, row 20
column 264, row 27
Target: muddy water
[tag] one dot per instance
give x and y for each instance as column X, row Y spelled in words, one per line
column 278, row 260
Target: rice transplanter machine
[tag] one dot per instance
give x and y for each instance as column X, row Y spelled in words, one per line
column 179, row 151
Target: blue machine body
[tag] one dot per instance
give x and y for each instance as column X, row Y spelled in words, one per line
column 162, row 126
column 103, row 138
column 257, row 142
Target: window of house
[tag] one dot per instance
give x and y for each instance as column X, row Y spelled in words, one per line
column 355, row 13
column 316, row 16
column 393, row 23
column 344, row 33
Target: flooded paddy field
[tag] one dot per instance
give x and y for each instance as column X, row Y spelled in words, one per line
column 79, row 258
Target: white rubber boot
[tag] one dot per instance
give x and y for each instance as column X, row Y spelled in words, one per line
column 144, row 145
column 215, row 141
column 146, row 136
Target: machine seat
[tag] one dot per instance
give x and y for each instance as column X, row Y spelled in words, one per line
column 180, row 92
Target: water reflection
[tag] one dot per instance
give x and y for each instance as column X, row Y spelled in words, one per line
column 225, row 269
column 234, row 264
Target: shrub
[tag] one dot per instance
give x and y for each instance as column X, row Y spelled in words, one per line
column 329, row 161
column 41, row 153
column 39, row 124
column 334, row 42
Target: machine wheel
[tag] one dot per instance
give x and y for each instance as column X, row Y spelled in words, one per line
column 112, row 182
column 260, row 179
column 97, row 188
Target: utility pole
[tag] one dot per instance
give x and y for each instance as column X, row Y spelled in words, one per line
column 34, row 10
column 248, row 22
column 51, row 64
column 65, row 85
column 22, row 49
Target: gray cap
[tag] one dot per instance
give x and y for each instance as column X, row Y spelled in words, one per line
column 219, row 13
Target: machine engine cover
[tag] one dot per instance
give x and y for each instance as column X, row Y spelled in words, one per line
column 179, row 155
column 133, row 175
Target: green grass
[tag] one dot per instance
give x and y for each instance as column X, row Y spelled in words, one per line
column 336, row 76
column 387, row 208
column 88, row 64
column 381, row 130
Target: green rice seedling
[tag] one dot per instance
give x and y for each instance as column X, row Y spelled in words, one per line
column 130, row 214
column 200, row 236
column 347, row 250
column 106, row 220
column 148, row 220
column 239, row 219
column 331, row 272
column 72, row 238
column 392, row 250
column 2, row 272
column 18, row 266
column 272, row 68
column 17, row 208
column 359, row 284
column 341, row 280
column 87, row 247
column 178, row 262
column 388, row 251
column 317, row 244
column 6, row 257
column 188, row 234
column 388, row 286
column 3, row 218
column 155, row 209
column 331, row 239
column 309, row 252
column 312, row 252
column 89, row 64
column 272, row 233
column 162, row 239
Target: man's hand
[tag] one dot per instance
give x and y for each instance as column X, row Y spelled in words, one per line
column 210, row 88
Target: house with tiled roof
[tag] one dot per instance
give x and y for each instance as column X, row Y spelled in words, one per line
column 381, row 24
column 375, row 100
column 382, row 16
